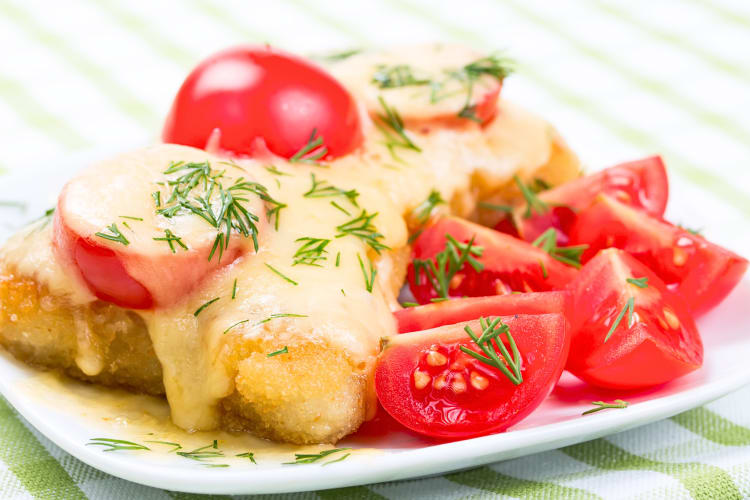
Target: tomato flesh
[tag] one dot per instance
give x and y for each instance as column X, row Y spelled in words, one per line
column 658, row 343
column 642, row 184
column 429, row 385
column 453, row 311
column 259, row 97
column 703, row 273
column 509, row 264
column 107, row 277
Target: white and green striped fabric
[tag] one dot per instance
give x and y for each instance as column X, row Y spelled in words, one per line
column 620, row 79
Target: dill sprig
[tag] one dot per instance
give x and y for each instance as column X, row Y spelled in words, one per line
column 571, row 255
column 490, row 343
column 494, row 206
column 280, row 315
column 234, row 289
column 533, row 203
column 639, row 282
column 397, row 75
column 281, row 275
column 339, row 207
column 311, row 152
column 322, row 189
column 116, row 444
column 391, row 126
column 311, row 251
column 171, row 239
column 235, row 325
column 309, row 458
column 275, row 171
column 446, row 264
column 468, row 75
column 363, row 228
column 249, row 455
column 203, row 453
column 140, row 219
column 204, row 306
column 423, row 211
column 628, row 307
column 601, row 405
column 369, row 277
column 175, row 446
column 285, row 350
column 340, row 56
column 113, row 235
column 225, row 209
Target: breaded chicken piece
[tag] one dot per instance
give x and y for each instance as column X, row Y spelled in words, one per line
column 218, row 369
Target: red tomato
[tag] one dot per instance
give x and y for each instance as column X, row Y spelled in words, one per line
column 259, row 93
column 104, row 273
column 454, row 311
column 703, row 273
column 509, row 264
column 486, row 108
column 429, row 385
column 641, row 183
column 657, row 343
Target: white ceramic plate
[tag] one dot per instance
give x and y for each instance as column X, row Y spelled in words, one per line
column 67, row 420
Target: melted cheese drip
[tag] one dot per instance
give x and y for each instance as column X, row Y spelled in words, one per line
column 338, row 310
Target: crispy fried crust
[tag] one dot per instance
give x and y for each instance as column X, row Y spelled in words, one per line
column 43, row 330
column 311, row 395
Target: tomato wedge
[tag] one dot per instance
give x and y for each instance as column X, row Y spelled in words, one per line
column 428, row 384
column 703, row 273
column 629, row 330
column 412, row 319
column 642, row 184
column 501, row 265
column 260, row 97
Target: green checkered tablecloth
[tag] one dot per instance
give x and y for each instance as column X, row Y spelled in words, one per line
column 619, row 79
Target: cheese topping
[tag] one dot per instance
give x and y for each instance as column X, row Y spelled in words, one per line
column 278, row 303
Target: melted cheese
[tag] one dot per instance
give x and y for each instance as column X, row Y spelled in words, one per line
column 338, row 310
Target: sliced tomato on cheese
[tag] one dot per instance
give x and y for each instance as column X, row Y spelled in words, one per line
column 424, row 317
column 425, row 83
column 499, row 263
column 127, row 251
column 702, row 272
column 629, row 330
column 430, row 385
column 642, row 184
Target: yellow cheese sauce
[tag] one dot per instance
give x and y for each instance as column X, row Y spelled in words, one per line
column 145, row 420
column 331, row 303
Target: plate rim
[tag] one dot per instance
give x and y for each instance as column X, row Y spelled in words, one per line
column 407, row 464
column 399, row 465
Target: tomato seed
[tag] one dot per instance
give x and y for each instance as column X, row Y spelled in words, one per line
column 459, row 384
column 679, row 256
column 671, row 318
column 456, row 281
column 478, row 382
column 421, row 379
column 623, row 196
column 435, row 358
column 439, row 382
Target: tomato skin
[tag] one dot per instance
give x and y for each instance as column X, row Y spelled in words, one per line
column 451, row 412
column 253, row 94
column 486, row 108
column 702, row 272
column 100, row 268
column 641, row 183
column 424, row 317
column 509, row 264
column 661, row 344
